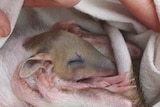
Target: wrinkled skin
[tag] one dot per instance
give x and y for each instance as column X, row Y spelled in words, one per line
column 53, row 81
column 51, row 91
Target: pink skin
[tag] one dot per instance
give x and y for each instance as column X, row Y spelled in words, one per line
column 99, row 41
column 116, row 84
column 72, row 94
column 50, row 87
column 22, row 89
column 67, row 26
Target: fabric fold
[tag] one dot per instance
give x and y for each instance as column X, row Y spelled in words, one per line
column 120, row 50
column 117, row 18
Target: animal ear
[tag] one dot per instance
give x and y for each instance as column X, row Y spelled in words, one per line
column 35, row 63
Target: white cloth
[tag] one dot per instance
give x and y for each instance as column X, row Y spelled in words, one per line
column 116, row 15
column 116, row 18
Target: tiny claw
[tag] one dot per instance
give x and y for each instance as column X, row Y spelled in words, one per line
column 74, row 29
column 125, row 89
column 126, row 83
column 133, row 86
column 120, row 89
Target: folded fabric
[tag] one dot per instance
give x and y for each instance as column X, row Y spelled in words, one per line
column 116, row 18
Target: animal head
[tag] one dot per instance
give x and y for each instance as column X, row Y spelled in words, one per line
column 67, row 55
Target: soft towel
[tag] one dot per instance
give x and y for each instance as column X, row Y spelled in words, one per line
column 116, row 18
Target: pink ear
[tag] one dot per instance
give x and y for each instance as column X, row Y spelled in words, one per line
column 34, row 63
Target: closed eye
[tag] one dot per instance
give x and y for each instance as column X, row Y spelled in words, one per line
column 75, row 62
